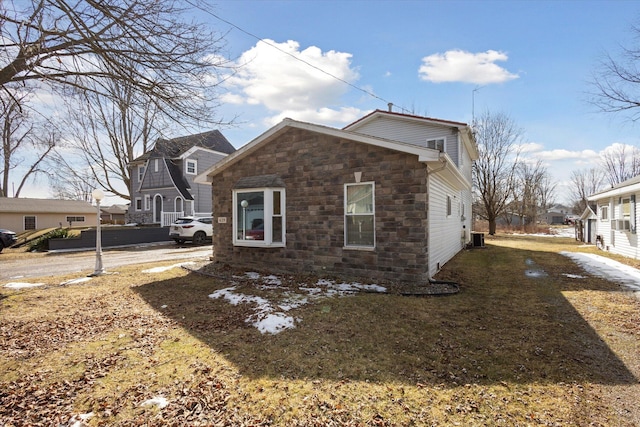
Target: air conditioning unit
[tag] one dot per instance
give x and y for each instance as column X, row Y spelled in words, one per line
column 436, row 144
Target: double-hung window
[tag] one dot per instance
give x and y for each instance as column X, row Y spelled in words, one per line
column 192, row 167
column 359, row 215
column 259, row 217
column 604, row 212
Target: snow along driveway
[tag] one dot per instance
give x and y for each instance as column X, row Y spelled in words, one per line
column 609, row 269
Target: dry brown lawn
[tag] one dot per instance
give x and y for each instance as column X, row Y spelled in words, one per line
column 506, row 350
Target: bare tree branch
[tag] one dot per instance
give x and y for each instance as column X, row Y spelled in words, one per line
column 146, row 44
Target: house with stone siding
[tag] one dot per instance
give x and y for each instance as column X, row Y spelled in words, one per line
column 162, row 179
column 388, row 197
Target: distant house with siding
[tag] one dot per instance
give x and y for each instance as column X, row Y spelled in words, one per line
column 162, row 179
column 387, row 197
column 617, row 215
column 114, row 214
column 21, row 214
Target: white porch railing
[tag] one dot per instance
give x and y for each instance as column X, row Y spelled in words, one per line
column 170, row 217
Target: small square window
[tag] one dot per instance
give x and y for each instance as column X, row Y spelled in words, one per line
column 192, row 167
column 259, row 217
column 29, row 222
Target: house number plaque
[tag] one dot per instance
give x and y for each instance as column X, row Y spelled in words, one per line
column 222, row 220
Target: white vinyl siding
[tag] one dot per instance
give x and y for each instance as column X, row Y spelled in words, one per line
column 415, row 133
column 446, row 232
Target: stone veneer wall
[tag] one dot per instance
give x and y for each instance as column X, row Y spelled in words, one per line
column 315, row 168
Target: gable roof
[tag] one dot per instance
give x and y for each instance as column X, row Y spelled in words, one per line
column 424, row 154
column 631, row 185
column 465, row 131
column 42, row 206
column 377, row 113
column 172, row 148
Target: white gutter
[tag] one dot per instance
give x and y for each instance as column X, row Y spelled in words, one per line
column 615, row 192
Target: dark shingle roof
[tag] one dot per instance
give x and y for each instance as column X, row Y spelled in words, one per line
column 178, row 179
column 172, row 148
column 213, row 140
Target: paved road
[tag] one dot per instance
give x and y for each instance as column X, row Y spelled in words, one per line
column 42, row 265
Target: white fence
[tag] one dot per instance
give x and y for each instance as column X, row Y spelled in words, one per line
column 170, row 217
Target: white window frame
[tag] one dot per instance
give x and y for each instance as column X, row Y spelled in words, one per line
column 190, row 162
column 147, row 202
column 140, row 173
column 156, row 165
column 372, row 214
column 604, row 213
column 439, row 144
column 138, row 205
column 268, row 216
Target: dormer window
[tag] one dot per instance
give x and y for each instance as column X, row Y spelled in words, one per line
column 192, row 167
column 436, row 144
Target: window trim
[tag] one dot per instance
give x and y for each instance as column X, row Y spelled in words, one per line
column 449, row 206
column 604, row 212
column 147, row 202
column 195, row 167
column 436, row 144
column 35, row 222
column 267, row 218
column 141, row 169
column 372, row 213
column 75, row 218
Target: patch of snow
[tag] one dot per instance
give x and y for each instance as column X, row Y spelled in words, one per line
column 607, row 268
column 270, row 317
column 272, row 280
column 166, row 268
column 22, row 285
column 76, row 281
column 273, row 323
column 80, row 420
column 574, row 276
column 158, row 401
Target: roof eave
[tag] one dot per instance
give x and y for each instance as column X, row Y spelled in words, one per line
column 424, row 154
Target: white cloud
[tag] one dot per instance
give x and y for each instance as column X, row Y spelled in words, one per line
column 460, row 66
column 322, row 115
column 281, row 79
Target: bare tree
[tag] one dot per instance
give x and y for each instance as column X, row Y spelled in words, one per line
column 616, row 82
column 534, row 190
column 620, row 162
column 146, row 44
column 584, row 183
column 24, row 143
column 107, row 133
column 77, row 186
column 494, row 171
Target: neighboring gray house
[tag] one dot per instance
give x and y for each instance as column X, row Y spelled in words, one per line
column 162, row 179
column 617, row 218
column 387, row 197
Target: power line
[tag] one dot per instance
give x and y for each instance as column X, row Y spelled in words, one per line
column 373, row 95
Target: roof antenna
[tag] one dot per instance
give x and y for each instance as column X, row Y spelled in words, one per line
column 390, row 105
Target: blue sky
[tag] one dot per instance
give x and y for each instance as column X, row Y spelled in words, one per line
column 530, row 59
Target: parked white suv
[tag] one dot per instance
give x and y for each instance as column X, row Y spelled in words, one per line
column 196, row 229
